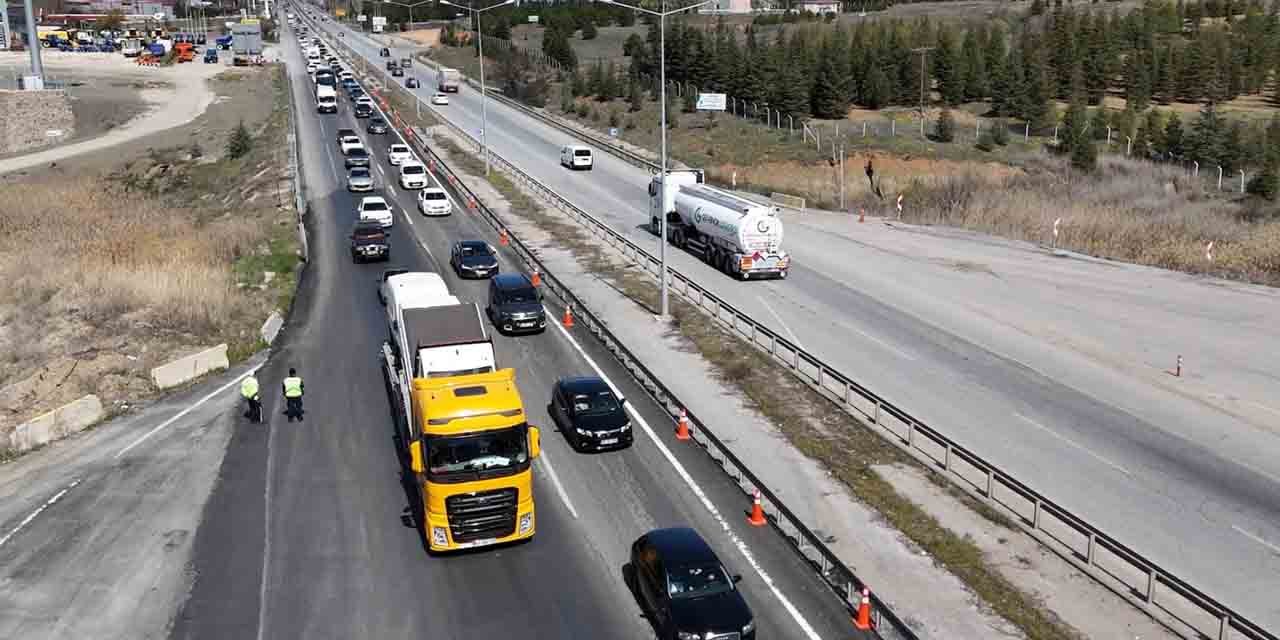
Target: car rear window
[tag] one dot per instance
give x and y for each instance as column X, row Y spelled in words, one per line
column 359, row 172
column 582, row 153
column 399, row 148
column 433, row 195
column 358, row 151
column 413, row 169
column 375, row 206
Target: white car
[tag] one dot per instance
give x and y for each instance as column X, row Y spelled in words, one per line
column 413, row 175
column 433, row 201
column 365, row 99
column 376, row 209
column 346, row 75
column 350, row 142
column 312, row 68
column 398, row 153
column 440, row 99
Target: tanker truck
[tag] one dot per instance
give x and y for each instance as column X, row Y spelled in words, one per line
column 740, row 237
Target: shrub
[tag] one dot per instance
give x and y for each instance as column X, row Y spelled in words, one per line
column 1264, row 185
column 239, row 142
column 945, row 131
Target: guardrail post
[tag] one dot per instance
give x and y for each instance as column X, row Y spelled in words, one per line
column 876, row 419
column 991, row 486
column 1093, row 542
column 820, row 378
column 911, row 433
column 1035, row 516
column 1224, row 626
column 1152, row 579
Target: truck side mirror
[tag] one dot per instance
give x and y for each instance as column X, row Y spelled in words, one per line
column 415, row 456
column 535, row 442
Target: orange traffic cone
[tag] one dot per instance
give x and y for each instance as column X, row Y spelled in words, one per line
column 757, row 519
column 568, row 318
column 502, row 238
column 862, row 215
column 863, row 621
column 536, row 279
column 682, row 426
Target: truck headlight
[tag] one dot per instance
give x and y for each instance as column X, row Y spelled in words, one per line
column 685, row 635
column 626, row 427
column 749, row 627
column 583, row 432
column 439, row 536
column 526, row 522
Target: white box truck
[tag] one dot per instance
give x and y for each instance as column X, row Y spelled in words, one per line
column 442, row 335
column 449, row 80
column 738, row 236
column 326, row 99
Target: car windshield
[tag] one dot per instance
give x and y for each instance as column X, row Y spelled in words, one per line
column 433, row 195
column 475, row 250
column 374, row 206
column 522, row 295
column 413, row 169
column 466, row 457
column 696, row 581
column 377, row 121
column 358, row 152
column 593, row 404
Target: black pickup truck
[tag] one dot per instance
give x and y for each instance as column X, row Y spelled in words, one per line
column 369, row 241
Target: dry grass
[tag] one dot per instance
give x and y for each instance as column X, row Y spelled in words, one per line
column 848, row 448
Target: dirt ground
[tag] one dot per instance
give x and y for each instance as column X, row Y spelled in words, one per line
column 63, row 346
column 102, row 104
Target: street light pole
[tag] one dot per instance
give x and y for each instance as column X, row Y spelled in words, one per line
column 484, row 93
column 664, row 311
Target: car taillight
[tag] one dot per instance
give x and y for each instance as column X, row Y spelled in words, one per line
column 744, row 263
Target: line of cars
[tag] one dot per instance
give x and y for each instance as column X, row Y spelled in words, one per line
column 682, row 586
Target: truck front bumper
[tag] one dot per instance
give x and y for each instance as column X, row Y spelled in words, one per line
column 440, row 539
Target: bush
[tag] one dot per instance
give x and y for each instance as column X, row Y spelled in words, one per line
column 986, row 143
column 945, row 131
column 1000, row 133
column 1084, row 155
column 1264, row 185
column 595, row 114
column 582, row 110
column 589, row 30
column 614, row 118
column 631, row 123
column 239, row 142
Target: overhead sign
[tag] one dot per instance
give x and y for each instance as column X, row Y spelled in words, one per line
column 362, row 18
column 533, row 19
column 712, row 102
column 379, row 21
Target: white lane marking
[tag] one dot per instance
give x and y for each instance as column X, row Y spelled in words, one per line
column 902, row 354
column 266, row 533
column 1072, row 443
column 555, row 479
column 184, row 412
column 1256, row 539
column 740, row 544
column 380, row 170
column 1271, row 476
column 1264, row 407
column 47, row 503
column 791, row 333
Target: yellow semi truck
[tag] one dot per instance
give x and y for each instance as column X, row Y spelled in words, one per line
column 463, row 425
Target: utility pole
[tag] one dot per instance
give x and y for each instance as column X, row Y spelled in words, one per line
column 33, row 44
column 4, row 15
column 924, row 79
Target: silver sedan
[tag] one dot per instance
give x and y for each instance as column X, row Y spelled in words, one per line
column 359, row 179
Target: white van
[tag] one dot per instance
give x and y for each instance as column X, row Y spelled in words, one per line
column 573, row 156
column 326, row 99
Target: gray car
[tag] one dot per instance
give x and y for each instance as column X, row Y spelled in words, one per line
column 359, row 179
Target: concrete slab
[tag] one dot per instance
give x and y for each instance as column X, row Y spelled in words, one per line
column 70, row 418
column 271, row 328
column 188, row 368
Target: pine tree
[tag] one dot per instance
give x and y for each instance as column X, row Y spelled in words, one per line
column 946, row 67
column 1037, row 92
column 1099, row 123
column 1072, row 131
column 589, row 30
column 1137, row 90
column 1171, row 140
column 975, row 68
column 827, row 100
column 1205, row 142
column 635, row 97
column 634, row 46
column 1167, row 85
column 612, row 88
column 1265, row 184
column 998, row 70
column 1231, row 151
column 945, row 130
column 596, row 83
column 1084, row 155
column 1271, row 153
column 876, row 93
column 239, row 142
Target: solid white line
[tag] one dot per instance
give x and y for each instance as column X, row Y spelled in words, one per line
column 1258, row 471
column 384, row 173
column 564, row 495
column 1072, row 443
column 882, row 343
column 184, row 412
column 48, row 503
column 780, row 321
column 266, row 533
column 740, row 544
column 1256, row 539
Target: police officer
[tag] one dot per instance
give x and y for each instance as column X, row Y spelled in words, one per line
column 249, row 389
column 292, row 388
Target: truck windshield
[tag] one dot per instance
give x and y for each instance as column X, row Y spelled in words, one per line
column 475, row 456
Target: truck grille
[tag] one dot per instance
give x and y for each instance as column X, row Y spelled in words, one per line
column 486, row 514
column 734, row 635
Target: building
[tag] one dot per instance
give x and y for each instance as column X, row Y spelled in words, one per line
column 818, row 6
column 727, row 6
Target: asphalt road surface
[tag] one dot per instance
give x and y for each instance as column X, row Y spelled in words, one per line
column 1049, row 367
column 339, row 560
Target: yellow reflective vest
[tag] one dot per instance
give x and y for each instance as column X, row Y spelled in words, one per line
column 293, row 387
column 249, row 387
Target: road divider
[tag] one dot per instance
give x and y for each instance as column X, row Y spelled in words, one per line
column 68, row 419
column 188, row 368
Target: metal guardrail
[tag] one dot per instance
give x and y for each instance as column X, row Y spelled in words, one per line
column 834, row 573
column 1112, row 563
column 295, row 170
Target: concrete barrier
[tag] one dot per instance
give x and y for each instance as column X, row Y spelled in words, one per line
column 271, row 328
column 191, row 367
column 70, row 418
column 789, row 201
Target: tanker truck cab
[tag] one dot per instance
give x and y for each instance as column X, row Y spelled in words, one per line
column 740, row 237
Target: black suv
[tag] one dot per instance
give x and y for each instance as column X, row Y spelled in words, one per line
column 377, row 125
column 392, row 66
column 473, row 259
column 397, row 72
column 515, row 304
column 363, row 110
column 589, row 415
column 369, row 241
column 684, row 589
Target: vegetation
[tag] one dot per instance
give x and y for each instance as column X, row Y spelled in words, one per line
column 239, row 142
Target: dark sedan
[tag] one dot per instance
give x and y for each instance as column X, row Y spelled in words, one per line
column 411, row 83
column 473, row 259
column 377, row 125
column 363, row 110
column 357, row 157
column 397, row 72
column 685, row 590
column 343, row 133
column 589, row 414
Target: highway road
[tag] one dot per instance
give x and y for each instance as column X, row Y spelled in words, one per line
column 340, row 560
column 1050, row 367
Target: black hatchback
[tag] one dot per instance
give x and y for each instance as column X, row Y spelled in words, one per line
column 363, row 110
column 589, row 414
column 685, row 590
column 515, row 304
column 377, row 125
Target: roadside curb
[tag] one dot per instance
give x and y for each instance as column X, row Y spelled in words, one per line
column 70, row 418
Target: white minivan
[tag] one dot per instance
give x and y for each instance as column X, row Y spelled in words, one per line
column 574, row 156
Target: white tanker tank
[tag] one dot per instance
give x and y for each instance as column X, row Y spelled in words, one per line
column 738, row 236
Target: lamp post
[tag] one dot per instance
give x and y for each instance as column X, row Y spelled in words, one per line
column 662, row 71
column 484, row 94
column 408, row 6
